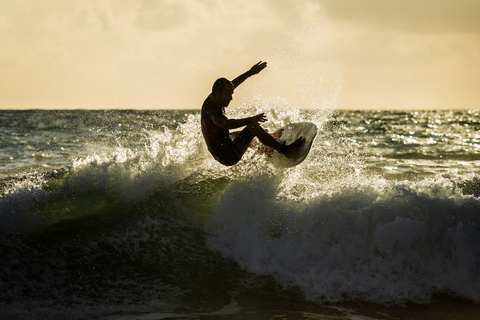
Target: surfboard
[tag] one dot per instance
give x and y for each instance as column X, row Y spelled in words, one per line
column 289, row 134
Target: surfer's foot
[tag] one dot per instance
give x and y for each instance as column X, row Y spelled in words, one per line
column 293, row 148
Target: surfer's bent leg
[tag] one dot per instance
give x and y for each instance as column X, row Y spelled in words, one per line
column 224, row 151
column 264, row 136
column 242, row 141
column 270, row 141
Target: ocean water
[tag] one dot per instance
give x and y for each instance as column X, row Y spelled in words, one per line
column 125, row 215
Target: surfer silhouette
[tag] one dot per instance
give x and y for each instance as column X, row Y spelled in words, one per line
column 216, row 126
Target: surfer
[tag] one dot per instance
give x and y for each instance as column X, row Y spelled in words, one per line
column 216, row 126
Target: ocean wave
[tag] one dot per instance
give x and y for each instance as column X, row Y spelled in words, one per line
column 163, row 226
column 403, row 244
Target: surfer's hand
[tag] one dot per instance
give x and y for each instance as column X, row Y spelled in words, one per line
column 257, row 68
column 259, row 118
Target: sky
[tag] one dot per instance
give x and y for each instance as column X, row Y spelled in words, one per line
column 166, row 54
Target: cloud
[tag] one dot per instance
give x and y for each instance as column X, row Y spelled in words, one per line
column 161, row 15
column 379, row 47
column 408, row 54
column 413, row 16
column 166, row 53
column 150, row 53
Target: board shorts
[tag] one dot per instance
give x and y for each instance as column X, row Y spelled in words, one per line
column 223, row 149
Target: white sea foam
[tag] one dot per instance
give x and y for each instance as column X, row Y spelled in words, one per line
column 390, row 243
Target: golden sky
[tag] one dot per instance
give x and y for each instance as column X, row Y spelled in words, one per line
column 148, row 54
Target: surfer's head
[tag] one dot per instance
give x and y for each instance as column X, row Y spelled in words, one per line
column 222, row 92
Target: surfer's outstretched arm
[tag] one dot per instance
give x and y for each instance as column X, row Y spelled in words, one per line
column 253, row 70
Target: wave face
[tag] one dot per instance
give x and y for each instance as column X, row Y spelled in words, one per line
column 127, row 213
